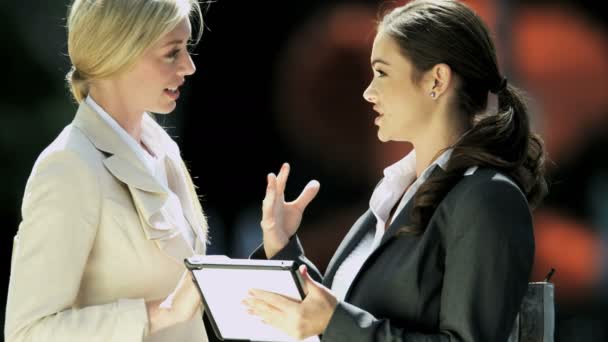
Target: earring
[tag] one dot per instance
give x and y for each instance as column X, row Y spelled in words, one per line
column 433, row 94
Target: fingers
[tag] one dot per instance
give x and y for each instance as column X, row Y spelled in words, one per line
column 282, row 178
column 308, row 281
column 274, row 192
column 268, row 305
column 259, row 306
column 308, row 194
column 276, row 300
column 268, row 313
column 185, row 286
column 270, row 197
column 271, row 186
column 185, row 300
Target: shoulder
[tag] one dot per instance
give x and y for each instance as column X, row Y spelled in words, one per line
column 74, row 147
column 62, row 181
column 483, row 184
column 487, row 201
column 70, row 159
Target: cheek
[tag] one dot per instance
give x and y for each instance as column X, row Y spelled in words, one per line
column 396, row 103
column 393, row 95
column 407, row 102
column 154, row 75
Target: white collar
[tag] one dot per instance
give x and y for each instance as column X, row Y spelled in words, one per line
column 398, row 177
column 147, row 137
column 404, row 171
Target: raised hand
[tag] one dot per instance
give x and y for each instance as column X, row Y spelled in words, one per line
column 280, row 219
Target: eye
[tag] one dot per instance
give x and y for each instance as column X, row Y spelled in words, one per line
column 379, row 73
column 173, row 54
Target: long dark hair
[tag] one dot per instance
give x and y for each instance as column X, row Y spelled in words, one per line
column 431, row 32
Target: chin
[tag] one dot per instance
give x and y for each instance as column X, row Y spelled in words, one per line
column 382, row 137
column 162, row 110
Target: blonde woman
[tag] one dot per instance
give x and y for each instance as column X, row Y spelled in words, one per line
column 109, row 210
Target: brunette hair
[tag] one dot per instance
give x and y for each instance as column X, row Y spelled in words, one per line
column 430, row 32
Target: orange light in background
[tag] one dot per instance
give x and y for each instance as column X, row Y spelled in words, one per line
column 572, row 249
column 322, row 73
column 561, row 59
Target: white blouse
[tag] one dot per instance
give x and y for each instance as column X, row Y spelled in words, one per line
column 156, row 166
column 397, row 178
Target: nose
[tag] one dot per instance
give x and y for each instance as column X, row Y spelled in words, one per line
column 188, row 67
column 370, row 94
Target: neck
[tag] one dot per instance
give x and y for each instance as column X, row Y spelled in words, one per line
column 115, row 106
column 429, row 146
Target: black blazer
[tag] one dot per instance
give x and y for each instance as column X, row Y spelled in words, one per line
column 463, row 279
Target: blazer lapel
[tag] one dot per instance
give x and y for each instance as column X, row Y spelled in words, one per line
column 403, row 218
column 181, row 184
column 352, row 238
column 179, row 180
column 149, row 196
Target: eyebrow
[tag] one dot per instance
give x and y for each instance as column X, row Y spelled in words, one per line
column 175, row 42
column 381, row 61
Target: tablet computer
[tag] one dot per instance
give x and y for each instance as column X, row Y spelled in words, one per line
column 223, row 283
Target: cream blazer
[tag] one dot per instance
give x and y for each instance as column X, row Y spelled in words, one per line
column 87, row 255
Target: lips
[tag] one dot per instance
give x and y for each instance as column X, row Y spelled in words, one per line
column 380, row 115
column 377, row 120
column 173, row 92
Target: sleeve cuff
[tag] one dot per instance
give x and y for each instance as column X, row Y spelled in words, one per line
column 292, row 251
column 258, row 253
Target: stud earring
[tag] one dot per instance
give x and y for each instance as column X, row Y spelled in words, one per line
column 433, row 95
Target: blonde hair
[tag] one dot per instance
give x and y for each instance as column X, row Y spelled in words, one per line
column 106, row 37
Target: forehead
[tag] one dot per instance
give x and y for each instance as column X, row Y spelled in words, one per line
column 385, row 47
column 181, row 32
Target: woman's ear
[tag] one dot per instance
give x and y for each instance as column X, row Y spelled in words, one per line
column 439, row 80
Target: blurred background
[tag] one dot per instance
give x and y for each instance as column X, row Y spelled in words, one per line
column 282, row 81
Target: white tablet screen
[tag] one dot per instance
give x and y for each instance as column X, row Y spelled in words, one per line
column 225, row 288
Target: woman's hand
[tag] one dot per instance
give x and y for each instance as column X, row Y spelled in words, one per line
column 280, row 219
column 300, row 320
column 180, row 306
